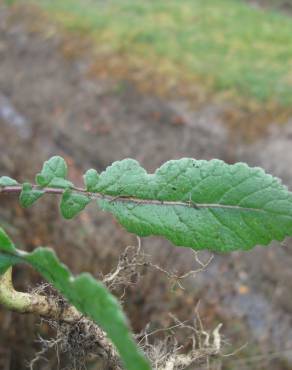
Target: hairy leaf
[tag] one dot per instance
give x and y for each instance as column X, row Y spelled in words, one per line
column 29, row 195
column 88, row 295
column 54, row 173
column 199, row 204
column 72, row 203
column 6, row 245
column 5, row 242
column 5, row 262
column 91, row 179
column 7, row 181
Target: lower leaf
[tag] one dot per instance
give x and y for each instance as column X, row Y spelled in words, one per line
column 88, row 295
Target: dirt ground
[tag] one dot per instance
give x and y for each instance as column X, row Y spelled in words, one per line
column 284, row 6
column 48, row 106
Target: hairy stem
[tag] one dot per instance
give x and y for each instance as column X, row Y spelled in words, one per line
column 125, row 198
column 55, row 308
column 10, row 298
column 35, row 303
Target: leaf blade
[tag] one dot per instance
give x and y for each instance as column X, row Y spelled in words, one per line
column 199, row 204
column 88, row 295
column 6, row 243
column 91, row 178
column 72, row 203
column 7, row 181
column 54, row 173
column 29, row 196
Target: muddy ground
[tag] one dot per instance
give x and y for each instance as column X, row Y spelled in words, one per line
column 48, row 106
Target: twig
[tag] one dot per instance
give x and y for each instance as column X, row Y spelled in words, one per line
column 122, row 198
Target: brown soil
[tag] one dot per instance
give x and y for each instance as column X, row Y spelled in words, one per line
column 51, row 104
column 284, row 6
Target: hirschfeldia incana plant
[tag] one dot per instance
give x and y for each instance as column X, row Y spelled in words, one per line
column 193, row 203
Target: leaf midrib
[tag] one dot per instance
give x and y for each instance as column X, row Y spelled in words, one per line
column 143, row 201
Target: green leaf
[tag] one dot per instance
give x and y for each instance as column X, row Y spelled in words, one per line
column 53, row 174
column 5, row 262
column 198, row 204
column 72, row 203
column 6, row 243
column 29, row 195
column 90, row 180
column 88, row 295
column 7, row 181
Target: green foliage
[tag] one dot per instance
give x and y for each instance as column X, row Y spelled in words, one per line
column 91, row 180
column 199, row 204
column 7, row 181
column 72, row 203
column 53, row 174
column 193, row 203
column 6, row 243
column 7, row 246
column 88, row 295
column 29, row 195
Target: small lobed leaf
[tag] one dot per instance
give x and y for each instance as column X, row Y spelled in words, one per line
column 7, row 181
column 72, row 203
column 198, row 204
column 88, row 295
column 29, row 195
column 91, row 178
column 54, row 173
column 60, row 183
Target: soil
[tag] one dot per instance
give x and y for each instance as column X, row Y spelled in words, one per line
column 48, row 106
column 284, row 6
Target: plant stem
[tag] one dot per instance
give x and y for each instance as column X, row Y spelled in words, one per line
column 128, row 199
column 9, row 297
column 55, row 308
column 34, row 303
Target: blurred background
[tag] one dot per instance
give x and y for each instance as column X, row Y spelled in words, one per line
column 99, row 80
